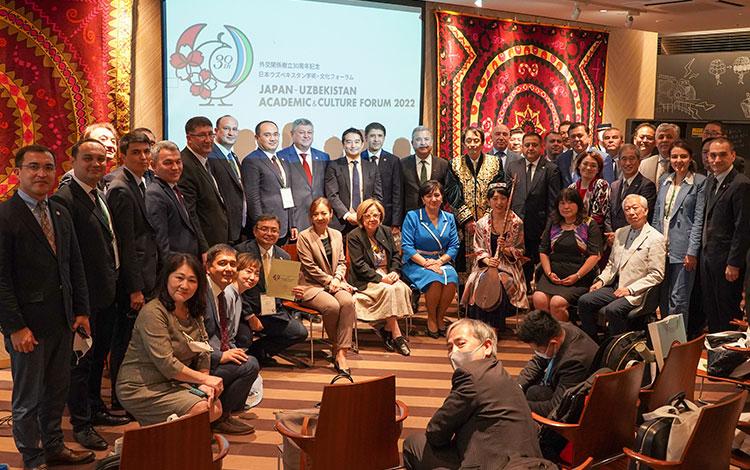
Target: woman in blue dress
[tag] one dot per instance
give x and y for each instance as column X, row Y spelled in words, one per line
column 429, row 240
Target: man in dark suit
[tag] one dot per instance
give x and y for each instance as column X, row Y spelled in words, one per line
column 226, row 170
column 94, row 229
column 136, row 239
column 278, row 328
column 725, row 237
column 420, row 167
column 485, row 420
column 579, row 138
column 165, row 205
column 390, row 175
column 562, row 358
column 553, row 145
column 199, row 186
column 611, row 144
column 537, row 183
column 43, row 299
column 308, row 168
column 222, row 317
column 500, row 141
column 267, row 178
column 631, row 182
column 350, row 180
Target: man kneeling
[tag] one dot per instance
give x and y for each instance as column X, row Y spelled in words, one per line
column 484, row 420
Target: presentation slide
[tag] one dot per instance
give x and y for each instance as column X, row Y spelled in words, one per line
column 339, row 64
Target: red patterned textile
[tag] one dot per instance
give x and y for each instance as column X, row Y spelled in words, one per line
column 61, row 69
column 528, row 75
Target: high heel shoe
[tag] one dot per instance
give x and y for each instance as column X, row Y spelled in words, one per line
column 347, row 371
column 402, row 346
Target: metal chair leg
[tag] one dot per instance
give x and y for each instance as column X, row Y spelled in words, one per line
column 356, row 336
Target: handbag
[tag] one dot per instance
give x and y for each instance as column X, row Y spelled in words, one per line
column 728, row 354
column 684, row 414
column 664, row 333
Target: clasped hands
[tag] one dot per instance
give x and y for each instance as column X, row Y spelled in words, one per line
column 337, row 284
column 212, row 386
column 435, row 265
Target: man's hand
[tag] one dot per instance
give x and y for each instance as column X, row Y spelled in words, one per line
column 255, row 323
column 23, row 340
column 690, row 262
column 732, row 273
column 236, row 355
column 82, row 320
column 351, row 218
column 293, row 232
column 622, row 292
column 596, row 286
column 136, row 300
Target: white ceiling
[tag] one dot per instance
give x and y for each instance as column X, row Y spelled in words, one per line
column 662, row 16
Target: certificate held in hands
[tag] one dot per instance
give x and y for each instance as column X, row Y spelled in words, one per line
column 282, row 277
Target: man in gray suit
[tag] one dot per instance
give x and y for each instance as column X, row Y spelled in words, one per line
column 267, row 180
column 485, row 420
column 351, row 180
column 500, row 141
column 225, row 168
column 420, row 167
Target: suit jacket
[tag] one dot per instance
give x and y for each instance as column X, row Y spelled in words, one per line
column 263, row 190
column 563, row 162
column 213, row 324
column 727, row 220
column 485, row 416
column 338, row 190
column 649, row 168
column 535, row 203
column 608, row 172
column 510, row 157
column 638, row 268
column 139, row 257
column 317, row 272
column 251, row 297
column 174, row 231
column 39, row 289
column 95, row 239
column 303, row 192
column 640, row 185
column 361, row 260
column 204, row 202
column 230, row 187
column 686, row 224
column 410, row 179
column 570, row 366
column 390, row 180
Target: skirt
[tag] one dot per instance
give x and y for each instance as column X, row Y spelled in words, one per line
column 380, row 301
column 152, row 404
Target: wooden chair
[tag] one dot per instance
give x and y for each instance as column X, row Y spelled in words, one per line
column 182, row 444
column 677, row 375
column 608, row 418
column 739, row 459
column 359, row 427
column 709, row 447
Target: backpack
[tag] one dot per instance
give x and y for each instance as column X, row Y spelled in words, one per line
column 622, row 351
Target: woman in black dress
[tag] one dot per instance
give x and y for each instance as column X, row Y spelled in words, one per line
column 570, row 248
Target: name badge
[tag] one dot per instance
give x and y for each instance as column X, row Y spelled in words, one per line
column 267, row 304
column 286, row 198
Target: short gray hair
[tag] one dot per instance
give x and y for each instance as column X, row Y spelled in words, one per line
column 420, row 129
column 301, row 122
column 630, row 147
column 479, row 330
column 668, row 126
column 163, row 145
column 641, row 200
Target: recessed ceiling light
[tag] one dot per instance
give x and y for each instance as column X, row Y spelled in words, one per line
column 478, row 3
column 603, row 11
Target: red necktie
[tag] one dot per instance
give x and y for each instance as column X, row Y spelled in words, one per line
column 306, row 166
column 222, row 301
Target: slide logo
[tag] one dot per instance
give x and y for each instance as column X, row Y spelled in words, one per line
column 214, row 68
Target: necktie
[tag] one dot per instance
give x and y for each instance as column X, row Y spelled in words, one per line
column 107, row 218
column 277, row 169
column 356, row 194
column 529, row 168
column 375, row 159
column 100, row 206
column 142, row 187
column 49, row 233
column 423, row 172
column 233, row 163
column 180, row 201
column 306, row 167
column 625, row 187
column 223, row 322
column 267, row 263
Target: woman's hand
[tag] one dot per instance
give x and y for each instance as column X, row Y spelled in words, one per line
column 690, row 262
column 570, row 280
column 436, row 267
column 429, row 262
column 334, row 285
column 208, row 391
column 492, row 262
column 348, row 287
column 554, row 278
column 298, row 292
column 390, row 278
column 215, row 383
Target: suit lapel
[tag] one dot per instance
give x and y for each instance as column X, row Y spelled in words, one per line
column 433, row 174
column 136, row 191
column 628, row 254
column 321, row 248
column 685, row 189
column 343, row 162
column 28, row 218
column 269, row 164
column 86, row 201
column 538, row 174
column 722, row 188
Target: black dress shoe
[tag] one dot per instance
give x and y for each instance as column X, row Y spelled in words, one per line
column 432, row 334
column 103, row 418
column 347, row 371
column 387, row 338
column 268, row 361
column 68, row 456
column 401, row 346
column 442, row 332
column 90, row 439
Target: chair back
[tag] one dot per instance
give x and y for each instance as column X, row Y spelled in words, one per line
column 357, row 426
column 678, row 373
column 291, row 250
column 710, row 445
column 608, row 418
column 182, row 444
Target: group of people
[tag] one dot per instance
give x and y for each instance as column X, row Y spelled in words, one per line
column 161, row 263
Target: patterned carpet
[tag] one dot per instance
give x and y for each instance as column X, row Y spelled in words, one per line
column 422, row 381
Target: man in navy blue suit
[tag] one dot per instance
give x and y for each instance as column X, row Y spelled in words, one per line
column 390, row 175
column 308, row 168
column 580, row 140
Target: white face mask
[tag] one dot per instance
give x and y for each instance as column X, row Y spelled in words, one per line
column 81, row 345
column 544, row 355
column 460, row 358
column 198, row 346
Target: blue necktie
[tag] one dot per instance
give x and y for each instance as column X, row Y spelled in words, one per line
column 356, row 197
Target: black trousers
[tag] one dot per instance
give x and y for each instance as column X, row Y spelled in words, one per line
column 280, row 331
column 238, row 379
column 84, row 397
column 615, row 311
column 721, row 298
column 122, row 330
column 41, row 380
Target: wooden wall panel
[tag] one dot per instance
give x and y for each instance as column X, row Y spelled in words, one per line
column 147, row 72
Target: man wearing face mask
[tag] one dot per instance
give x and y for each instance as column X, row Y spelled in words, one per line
column 485, row 420
column 563, row 355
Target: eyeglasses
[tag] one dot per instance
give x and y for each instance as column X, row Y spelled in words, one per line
column 205, row 135
column 35, row 167
column 267, row 229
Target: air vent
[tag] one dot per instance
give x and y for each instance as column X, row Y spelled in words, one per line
column 692, row 44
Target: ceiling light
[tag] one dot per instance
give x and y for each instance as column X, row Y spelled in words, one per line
column 576, row 13
column 478, row 3
column 603, row 11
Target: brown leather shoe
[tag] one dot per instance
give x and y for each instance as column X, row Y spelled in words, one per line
column 231, row 425
column 68, row 456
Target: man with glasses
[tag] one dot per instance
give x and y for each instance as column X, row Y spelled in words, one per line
column 420, row 167
column 199, row 186
column 225, row 167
